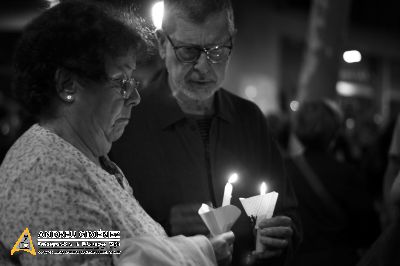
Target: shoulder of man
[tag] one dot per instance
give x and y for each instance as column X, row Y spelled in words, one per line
column 239, row 104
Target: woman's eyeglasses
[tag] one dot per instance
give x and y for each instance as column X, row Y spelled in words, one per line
column 191, row 53
column 127, row 87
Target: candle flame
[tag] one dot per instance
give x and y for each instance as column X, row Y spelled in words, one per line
column 233, row 178
column 263, row 188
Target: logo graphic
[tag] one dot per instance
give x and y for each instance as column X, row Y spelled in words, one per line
column 24, row 243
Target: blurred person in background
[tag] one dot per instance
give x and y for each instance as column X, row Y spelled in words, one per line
column 385, row 250
column 335, row 209
column 280, row 126
column 74, row 69
column 190, row 135
column 392, row 171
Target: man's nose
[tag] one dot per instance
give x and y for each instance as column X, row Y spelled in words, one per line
column 134, row 98
column 202, row 64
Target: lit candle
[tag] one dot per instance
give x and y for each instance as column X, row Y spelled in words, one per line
column 258, row 208
column 263, row 188
column 228, row 189
column 259, row 246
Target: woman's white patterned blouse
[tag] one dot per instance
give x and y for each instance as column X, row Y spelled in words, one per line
column 48, row 184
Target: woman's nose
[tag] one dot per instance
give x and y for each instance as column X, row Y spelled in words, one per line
column 134, row 98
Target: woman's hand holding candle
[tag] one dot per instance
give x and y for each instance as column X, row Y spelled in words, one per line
column 223, row 247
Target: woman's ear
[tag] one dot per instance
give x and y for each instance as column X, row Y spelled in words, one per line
column 162, row 43
column 65, row 85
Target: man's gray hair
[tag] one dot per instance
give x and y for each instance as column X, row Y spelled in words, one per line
column 196, row 11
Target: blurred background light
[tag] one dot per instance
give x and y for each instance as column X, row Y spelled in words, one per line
column 261, row 90
column 352, row 56
column 350, row 89
column 157, row 13
column 294, row 106
column 251, row 92
column 345, row 88
column 53, row 2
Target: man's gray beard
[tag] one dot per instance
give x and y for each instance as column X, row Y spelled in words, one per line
column 192, row 95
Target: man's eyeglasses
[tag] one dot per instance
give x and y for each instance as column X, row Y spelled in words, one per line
column 127, row 87
column 191, row 53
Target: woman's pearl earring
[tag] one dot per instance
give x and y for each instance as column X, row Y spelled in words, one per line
column 69, row 98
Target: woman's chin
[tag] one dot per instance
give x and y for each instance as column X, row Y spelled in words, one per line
column 117, row 132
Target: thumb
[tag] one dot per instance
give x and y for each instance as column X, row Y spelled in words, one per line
column 229, row 237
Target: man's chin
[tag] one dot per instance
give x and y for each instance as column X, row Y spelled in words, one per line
column 200, row 94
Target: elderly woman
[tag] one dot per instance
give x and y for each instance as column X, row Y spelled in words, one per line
column 74, row 71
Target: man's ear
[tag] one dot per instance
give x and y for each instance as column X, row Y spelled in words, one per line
column 162, row 43
column 65, row 85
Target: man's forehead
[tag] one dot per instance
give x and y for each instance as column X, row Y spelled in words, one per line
column 213, row 31
column 205, row 40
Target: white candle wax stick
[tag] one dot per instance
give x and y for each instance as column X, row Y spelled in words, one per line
column 259, row 246
column 227, row 194
column 226, row 200
column 263, row 190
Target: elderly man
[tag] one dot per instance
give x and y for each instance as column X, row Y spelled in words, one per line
column 189, row 135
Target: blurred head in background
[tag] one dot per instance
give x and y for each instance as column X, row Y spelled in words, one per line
column 317, row 123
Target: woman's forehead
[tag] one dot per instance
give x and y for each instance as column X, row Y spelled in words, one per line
column 121, row 63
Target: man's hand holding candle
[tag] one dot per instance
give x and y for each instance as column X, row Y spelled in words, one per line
column 275, row 236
